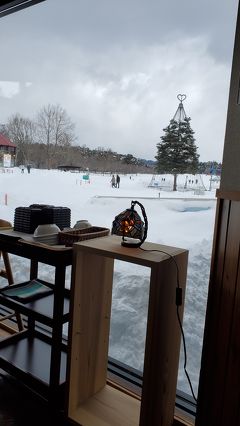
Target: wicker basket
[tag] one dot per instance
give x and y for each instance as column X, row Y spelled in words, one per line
column 67, row 238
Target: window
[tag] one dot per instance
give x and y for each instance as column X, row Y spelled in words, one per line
column 116, row 69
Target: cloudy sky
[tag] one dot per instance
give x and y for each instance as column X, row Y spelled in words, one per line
column 118, row 66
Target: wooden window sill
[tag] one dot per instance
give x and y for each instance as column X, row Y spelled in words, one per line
column 181, row 419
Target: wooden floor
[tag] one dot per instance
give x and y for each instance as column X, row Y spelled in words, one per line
column 20, row 407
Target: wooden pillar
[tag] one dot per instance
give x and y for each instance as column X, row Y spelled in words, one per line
column 219, row 384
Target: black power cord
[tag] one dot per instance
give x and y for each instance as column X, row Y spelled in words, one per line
column 178, row 303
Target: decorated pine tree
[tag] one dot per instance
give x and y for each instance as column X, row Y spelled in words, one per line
column 177, row 152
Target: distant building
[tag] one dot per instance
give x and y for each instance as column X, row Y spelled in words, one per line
column 7, row 152
column 73, row 169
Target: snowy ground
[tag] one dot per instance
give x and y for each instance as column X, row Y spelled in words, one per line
column 184, row 218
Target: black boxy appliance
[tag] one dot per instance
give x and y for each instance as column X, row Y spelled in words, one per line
column 26, row 219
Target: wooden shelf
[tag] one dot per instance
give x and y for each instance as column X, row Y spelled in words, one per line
column 15, row 243
column 31, row 356
column 90, row 401
column 40, row 309
column 34, row 357
column 108, row 407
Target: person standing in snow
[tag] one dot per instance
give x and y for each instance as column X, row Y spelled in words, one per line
column 118, row 181
column 113, row 182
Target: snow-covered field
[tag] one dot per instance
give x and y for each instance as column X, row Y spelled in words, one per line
column 184, row 218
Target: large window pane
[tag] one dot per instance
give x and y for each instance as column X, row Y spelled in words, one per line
column 117, row 67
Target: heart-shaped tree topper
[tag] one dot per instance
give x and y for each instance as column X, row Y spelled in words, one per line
column 181, row 97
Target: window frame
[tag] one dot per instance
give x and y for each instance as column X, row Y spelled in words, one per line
column 8, row 7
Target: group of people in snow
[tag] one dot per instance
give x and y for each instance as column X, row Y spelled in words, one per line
column 115, row 181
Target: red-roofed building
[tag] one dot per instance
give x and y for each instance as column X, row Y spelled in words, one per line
column 7, row 152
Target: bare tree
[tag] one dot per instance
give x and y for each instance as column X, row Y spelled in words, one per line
column 21, row 131
column 55, row 129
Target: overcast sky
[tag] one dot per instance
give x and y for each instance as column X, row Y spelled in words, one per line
column 118, row 66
